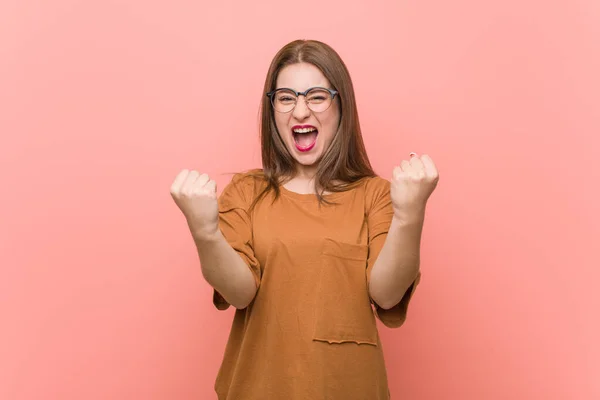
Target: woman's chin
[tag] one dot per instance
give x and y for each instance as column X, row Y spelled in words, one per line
column 307, row 159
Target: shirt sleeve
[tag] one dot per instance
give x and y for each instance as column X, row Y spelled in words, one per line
column 236, row 225
column 379, row 216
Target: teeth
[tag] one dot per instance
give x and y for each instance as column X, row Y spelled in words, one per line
column 304, row 130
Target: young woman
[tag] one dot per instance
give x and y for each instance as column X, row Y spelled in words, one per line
column 313, row 247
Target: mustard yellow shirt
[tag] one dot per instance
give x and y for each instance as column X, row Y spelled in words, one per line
column 310, row 333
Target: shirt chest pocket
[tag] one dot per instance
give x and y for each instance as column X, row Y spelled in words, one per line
column 343, row 308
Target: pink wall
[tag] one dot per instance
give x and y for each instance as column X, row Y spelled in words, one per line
column 101, row 104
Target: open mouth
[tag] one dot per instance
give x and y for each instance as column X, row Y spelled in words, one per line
column 305, row 137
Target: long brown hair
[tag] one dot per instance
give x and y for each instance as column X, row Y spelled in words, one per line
column 345, row 162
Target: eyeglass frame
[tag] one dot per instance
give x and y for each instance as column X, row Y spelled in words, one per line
column 332, row 92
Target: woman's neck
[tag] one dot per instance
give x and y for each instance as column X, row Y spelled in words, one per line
column 301, row 184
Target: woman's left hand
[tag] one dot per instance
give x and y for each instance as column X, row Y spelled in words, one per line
column 412, row 184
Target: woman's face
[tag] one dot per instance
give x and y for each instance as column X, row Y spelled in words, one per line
column 306, row 134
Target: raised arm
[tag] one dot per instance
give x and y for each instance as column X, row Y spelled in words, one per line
column 222, row 266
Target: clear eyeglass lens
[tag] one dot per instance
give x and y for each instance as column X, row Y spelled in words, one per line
column 318, row 100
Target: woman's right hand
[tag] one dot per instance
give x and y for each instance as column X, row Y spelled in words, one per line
column 196, row 196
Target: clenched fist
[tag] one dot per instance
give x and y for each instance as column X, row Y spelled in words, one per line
column 196, row 196
column 412, row 184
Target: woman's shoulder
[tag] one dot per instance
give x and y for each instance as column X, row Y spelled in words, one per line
column 376, row 190
column 249, row 177
column 244, row 186
column 375, row 184
column 253, row 178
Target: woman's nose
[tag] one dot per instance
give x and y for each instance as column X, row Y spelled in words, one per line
column 301, row 111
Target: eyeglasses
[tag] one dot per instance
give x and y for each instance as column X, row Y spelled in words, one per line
column 317, row 99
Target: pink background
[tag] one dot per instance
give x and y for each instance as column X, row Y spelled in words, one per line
column 102, row 103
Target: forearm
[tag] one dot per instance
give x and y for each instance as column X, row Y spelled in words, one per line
column 225, row 270
column 398, row 262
